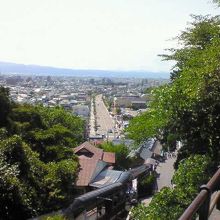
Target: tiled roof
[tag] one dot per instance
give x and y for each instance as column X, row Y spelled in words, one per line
column 109, row 157
column 106, row 177
column 150, row 161
column 86, row 145
column 89, row 158
column 157, row 147
column 87, row 168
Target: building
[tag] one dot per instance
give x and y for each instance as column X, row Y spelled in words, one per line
column 131, row 102
column 151, row 148
column 81, row 110
column 93, row 161
column 139, row 104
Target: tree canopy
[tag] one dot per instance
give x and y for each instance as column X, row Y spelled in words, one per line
column 52, row 132
column 171, row 203
column 217, row 2
column 37, row 165
column 5, row 106
column 187, row 109
column 121, row 152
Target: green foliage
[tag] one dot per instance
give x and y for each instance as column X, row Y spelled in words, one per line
column 3, row 134
column 28, row 117
column 53, row 144
column 121, row 153
column 192, row 173
column 30, row 187
column 108, row 101
column 55, row 217
column 59, row 182
column 51, row 132
column 5, row 106
column 118, row 111
column 56, row 153
column 188, row 108
column 170, row 203
column 145, row 126
column 37, row 164
column 27, row 113
column 146, row 185
column 164, row 205
column 21, row 176
column 217, row 2
column 54, row 116
column 148, row 90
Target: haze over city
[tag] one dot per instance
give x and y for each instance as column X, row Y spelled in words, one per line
column 94, row 125
column 110, row 35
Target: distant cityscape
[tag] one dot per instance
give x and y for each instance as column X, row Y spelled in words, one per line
column 9, row 68
column 123, row 98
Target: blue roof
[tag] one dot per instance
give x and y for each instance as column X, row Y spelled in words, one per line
column 106, row 177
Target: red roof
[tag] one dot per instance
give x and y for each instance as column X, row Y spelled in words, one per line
column 87, row 168
column 98, row 153
column 109, row 157
column 89, row 155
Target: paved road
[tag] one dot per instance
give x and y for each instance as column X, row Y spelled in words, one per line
column 104, row 121
column 165, row 171
column 92, row 121
column 215, row 215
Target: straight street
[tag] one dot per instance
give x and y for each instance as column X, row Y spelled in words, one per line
column 105, row 122
column 165, row 172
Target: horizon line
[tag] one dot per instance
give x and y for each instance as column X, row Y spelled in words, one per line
column 81, row 68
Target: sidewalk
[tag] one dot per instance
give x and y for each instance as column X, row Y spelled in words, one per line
column 165, row 172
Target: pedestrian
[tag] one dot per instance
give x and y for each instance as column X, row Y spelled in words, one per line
column 166, row 155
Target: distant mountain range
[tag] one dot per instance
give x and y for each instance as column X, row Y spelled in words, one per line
column 7, row 67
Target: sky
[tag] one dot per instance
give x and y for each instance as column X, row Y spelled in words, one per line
column 94, row 34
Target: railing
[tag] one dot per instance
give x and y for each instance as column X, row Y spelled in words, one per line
column 205, row 201
column 113, row 198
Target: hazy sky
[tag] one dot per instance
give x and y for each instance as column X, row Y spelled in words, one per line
column 97, row 34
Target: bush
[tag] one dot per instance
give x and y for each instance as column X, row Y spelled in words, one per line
column 121, row 152
column 37, row 165
column 146, row 185
column 170, row 203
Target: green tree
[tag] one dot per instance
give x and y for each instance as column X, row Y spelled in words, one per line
column 53, row 144
column 164, row 205
column 57, row 115
column 188, row 108
column 29, row 187
column 195, row 118
column 25, row 118
column 51, row 132
column 59, row 182
column 5, row 106
column 191, row 174
column 21, row 174
column 121, row 152
column 217, row 2
column 146, row 185
column 171, row 203
column 37, row 164
column 118, row 111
